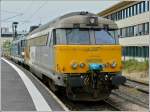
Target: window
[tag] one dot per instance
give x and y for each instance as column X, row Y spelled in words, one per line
column 127, row 32
column 136, row 11
column 144, row 6
column 136, row 51
column 123, row 32
column 82, row 36
column 120, row 32
column 60, row 36
column 133, row 10
column 129, row 11
column 135, row 30
column 131, row 31
column 103, row 37
column 38, row 41
column 123, row 13
column 116, row 16
column 77, row 36
column 147, row 5
column 140, row 7
column 140, row 29
column 146, row 28
column 120, row 14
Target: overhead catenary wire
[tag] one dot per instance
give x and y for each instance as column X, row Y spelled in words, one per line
column 40, row 7
column 35, row 12
column 12, row 17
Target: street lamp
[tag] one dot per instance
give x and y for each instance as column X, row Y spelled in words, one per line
column 14, row 29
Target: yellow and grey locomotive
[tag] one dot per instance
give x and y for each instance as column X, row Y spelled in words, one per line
column 79, row 52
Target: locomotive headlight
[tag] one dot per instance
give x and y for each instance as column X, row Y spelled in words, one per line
column 114, row 64
column 82, row 65
column 92, row 20
column 74, row 65
column 22, row 53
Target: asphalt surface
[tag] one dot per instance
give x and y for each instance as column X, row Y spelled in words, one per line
column 15, row 95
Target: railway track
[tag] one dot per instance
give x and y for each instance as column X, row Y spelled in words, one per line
column 135, row 92
column 90, row 106
column 143, row 87
column 118, row 101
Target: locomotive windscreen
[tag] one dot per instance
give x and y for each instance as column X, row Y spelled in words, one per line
column 85, row 35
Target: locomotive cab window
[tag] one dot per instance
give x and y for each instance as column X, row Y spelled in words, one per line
column 105, row 37
column 77, row 36
column 82, row 36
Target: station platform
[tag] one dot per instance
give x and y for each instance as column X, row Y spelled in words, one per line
column 21, row 91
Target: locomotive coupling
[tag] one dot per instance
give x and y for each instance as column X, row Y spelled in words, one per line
column 95, row 67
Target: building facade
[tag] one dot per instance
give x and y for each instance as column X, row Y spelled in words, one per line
column 132, row 18
column 5, row 35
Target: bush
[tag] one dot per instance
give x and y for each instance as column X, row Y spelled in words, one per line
column 133, row 65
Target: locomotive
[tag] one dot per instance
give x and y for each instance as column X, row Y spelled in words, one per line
column 78, row 51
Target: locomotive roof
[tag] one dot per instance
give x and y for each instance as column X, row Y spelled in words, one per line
column 70, row 18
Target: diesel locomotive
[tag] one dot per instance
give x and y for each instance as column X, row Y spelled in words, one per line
column 79, row 52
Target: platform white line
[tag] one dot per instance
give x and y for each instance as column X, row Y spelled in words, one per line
column 39, row 101
column 53, row 95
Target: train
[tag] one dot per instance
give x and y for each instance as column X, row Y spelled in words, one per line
column 78, row 52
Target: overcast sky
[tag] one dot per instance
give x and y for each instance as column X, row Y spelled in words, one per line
column 29, row 12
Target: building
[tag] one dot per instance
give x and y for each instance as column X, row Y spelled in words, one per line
column 132, row 18
column 5, row 35
column 6, row 38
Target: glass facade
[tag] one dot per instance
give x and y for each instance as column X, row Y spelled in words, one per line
column 136, row 30
column 140, row 29
column 136, row 51
column 133, row 10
